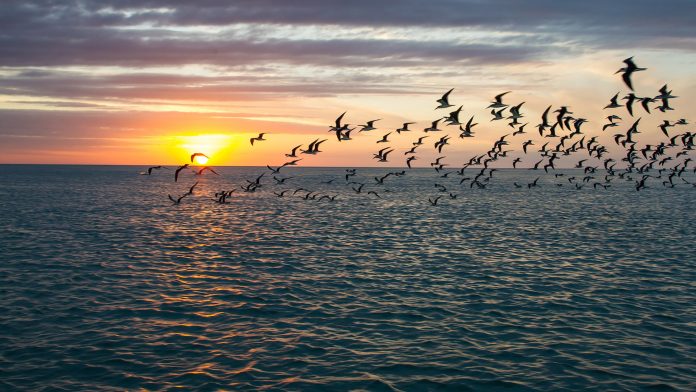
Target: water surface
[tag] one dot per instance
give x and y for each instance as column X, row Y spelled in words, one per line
column 105, row 285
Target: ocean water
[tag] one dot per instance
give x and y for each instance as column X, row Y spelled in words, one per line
column 105, row 285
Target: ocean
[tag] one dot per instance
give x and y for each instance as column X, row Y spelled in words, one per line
column 107, row 285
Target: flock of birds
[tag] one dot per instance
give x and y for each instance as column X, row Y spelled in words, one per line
column 561, row 134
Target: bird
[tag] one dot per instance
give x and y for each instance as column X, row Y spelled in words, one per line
column 257, row 138
column 630, row 98
column 313, row 147
column 613, row 102
column 222, row 196
column 525, row 144
column 434, row 201
column 453, row 118
column 190, row 191
column 444, row 101
column 256, row 182
column 204, row 168
column 628, row 70
column 433, row 127
column 369, row 126
column 404, row 127
column 197, row 154
column 520, row 130
column 441, row 143
column 344, row 135
column 437, row 161
column 177, row 201
column 498, row 101
column 562, row 112
column 380, row 180
column 420, row 141
column 644, row 103
column 179, row 169
column 466, row 131
column 327, row 197
column 497, row 115
column 663, row 127
column 515, row 114
column 337, row 125
column 609, row 125
column 382, row 155
column 290, row 163
column 281, row 180
column 294, row 151
column 384, row 138
column 409, row 160
column 150, row 169
column 411, row 151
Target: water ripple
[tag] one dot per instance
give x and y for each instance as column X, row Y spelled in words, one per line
column 106, row 286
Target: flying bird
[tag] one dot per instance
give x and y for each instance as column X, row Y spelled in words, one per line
column 190, row 191
column 384, row 138
column 404, row 127
column 444, row 101
column 150, row 169
column 197, row 154
column 258, row 138
column 369, row 126
column 294, row 152
column 177, row 201
column 206, row 168
column 628, row 70
column 498, row 101
column 434, row 201
column 179, row 169
column 433, row 127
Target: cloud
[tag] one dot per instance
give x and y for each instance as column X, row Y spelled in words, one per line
column 152, row 33
column 65, row 125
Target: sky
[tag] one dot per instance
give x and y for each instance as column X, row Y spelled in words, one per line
column 152, row 81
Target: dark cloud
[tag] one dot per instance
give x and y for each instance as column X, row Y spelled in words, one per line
column 128, row 50
column 210, row 89
column 59, row 104
column 90, row 32
column 672, row 18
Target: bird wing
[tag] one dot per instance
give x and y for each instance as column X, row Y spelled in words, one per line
column 627, row 79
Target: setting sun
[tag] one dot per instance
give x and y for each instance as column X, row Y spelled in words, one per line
column 200, row 160
column 215, row 147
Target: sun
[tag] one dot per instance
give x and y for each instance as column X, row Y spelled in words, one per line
column 216, row 147
column 200, row 160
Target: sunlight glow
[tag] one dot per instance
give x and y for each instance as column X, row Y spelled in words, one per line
column 215, row 146
column 200, row 160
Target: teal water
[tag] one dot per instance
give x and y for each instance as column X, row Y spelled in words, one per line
column 105, row 285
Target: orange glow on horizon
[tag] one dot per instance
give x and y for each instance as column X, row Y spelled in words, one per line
column 216, row 146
